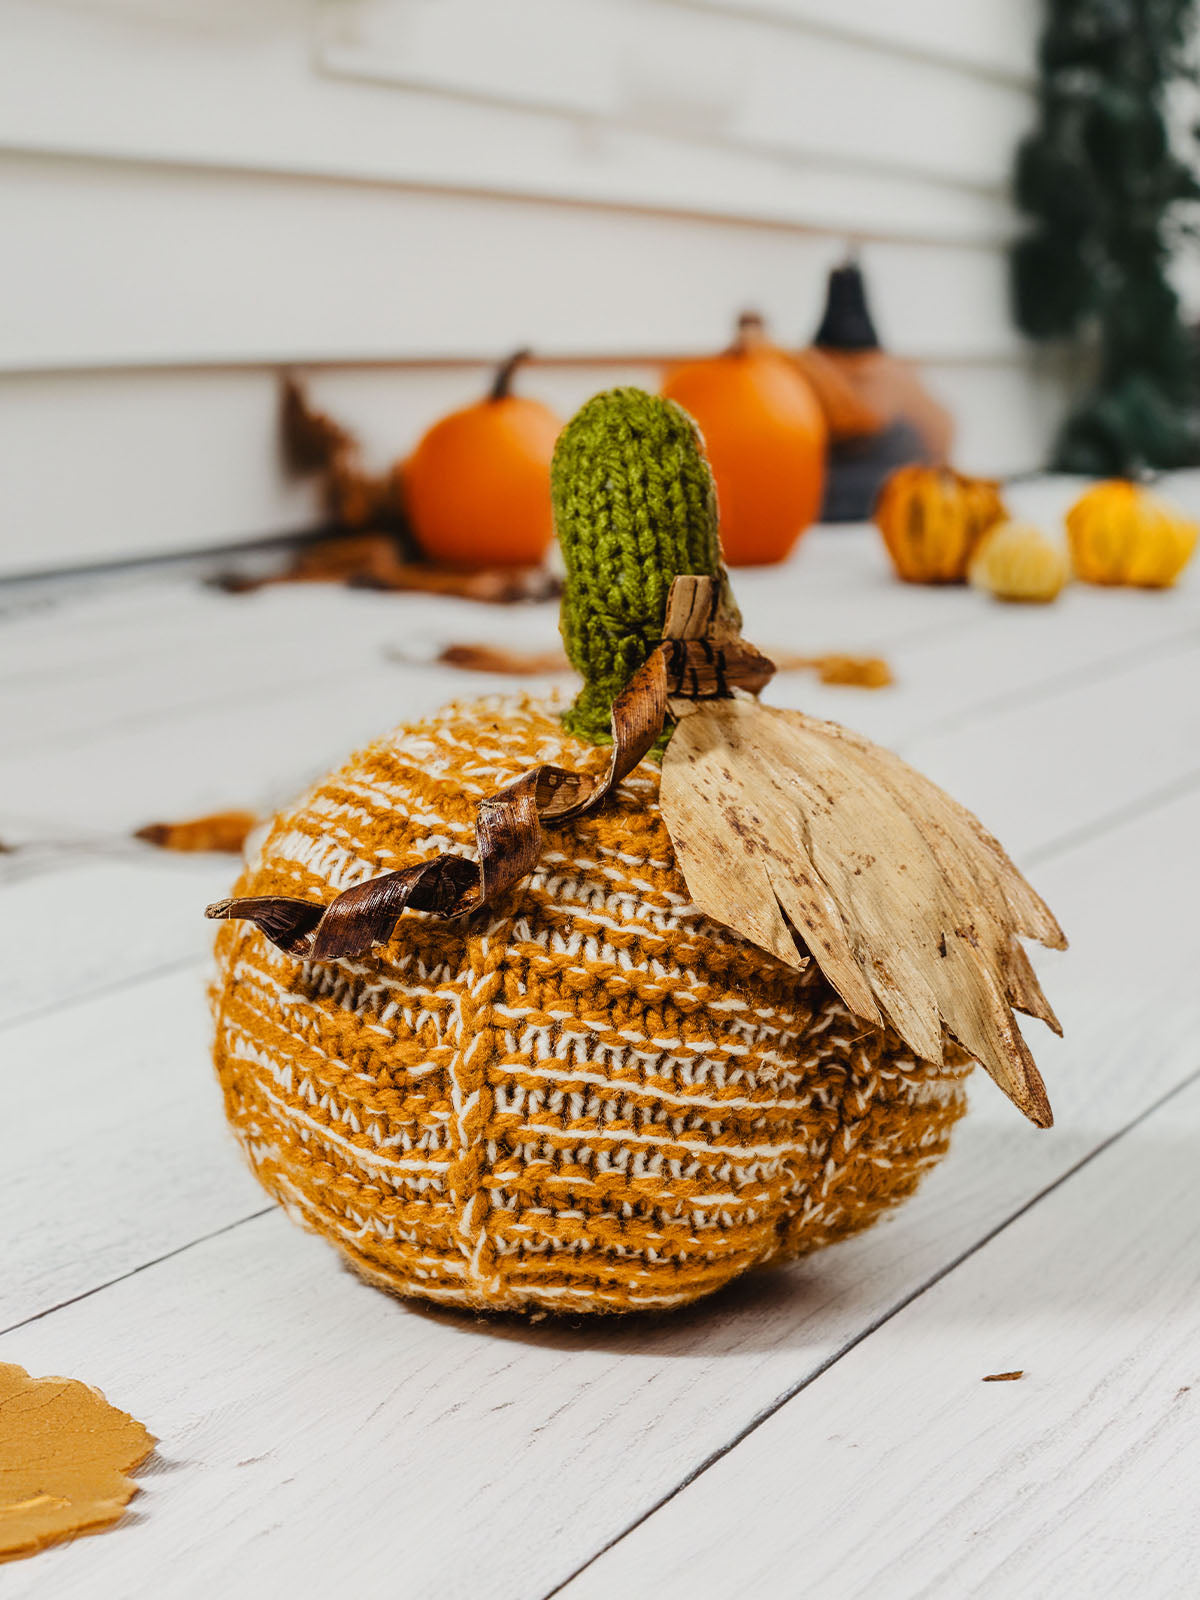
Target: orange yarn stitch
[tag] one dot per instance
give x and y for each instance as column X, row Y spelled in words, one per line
column 588, row 1097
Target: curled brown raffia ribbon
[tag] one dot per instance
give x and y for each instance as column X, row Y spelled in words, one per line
column 701, row 657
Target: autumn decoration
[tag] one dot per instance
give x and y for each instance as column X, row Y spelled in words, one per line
column 1016, row 561
column 847, row 414
column 474, row 494
column 886, row 387
column 932, row 519
column 477, row 486
column 376, row 561
column 765, row 435
column 317, row 445
column 592, row 1004
column 65, row 1459
column 1121, row 533
column 881, row 415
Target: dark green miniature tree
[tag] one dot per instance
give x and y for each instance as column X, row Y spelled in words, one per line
column 1107, row 195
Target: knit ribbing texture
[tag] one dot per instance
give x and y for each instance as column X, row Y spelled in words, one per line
column 585, row 1098
column 634, row 506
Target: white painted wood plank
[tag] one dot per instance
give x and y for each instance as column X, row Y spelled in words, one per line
column 1040, row 773
column 899, row 1472
column 113, row 1145
column 253, row 752
column 952, row 655
column 100, row 924
column 291, row 640
column 313, row 1429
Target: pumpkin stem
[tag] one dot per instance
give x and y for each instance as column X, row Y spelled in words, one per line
column 634, row 507
column 505, row 372
column 751, row 333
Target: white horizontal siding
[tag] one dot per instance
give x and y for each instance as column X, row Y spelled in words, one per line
column 144, row 264
column 200, row 192
column 702, row 74
column 993, row 37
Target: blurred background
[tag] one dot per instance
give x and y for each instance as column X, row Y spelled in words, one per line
column 390, row 194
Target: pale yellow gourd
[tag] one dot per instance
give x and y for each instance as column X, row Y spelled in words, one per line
column 1120, row 533
column 1016, row 561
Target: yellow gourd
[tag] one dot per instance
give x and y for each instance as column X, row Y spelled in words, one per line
column 1119, row 533
column 1016, row 561
column 932, row 518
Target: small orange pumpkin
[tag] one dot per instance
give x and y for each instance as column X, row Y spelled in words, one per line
column 765, row 436
column 1121, row 534
column 932, row 519
column 477, row 487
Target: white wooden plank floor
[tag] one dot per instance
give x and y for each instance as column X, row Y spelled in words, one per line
column 821, row 1430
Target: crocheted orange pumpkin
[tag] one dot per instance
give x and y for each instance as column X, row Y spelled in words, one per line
column 1120, row 533
column 484, row 1022
column 932, row 519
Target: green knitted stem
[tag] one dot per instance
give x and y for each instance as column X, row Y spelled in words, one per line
column 634, row 506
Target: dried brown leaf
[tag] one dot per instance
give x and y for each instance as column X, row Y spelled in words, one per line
column 857, row 672
column 512, row 663
column 807, row 838
column 376, row 561
column 64, row 1456
column 311, row 439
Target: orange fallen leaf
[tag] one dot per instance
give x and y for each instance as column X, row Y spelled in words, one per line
column 64, row 1456
column 223, row 830
column 859, row 672
column 493, row 658
column 1004, row 1377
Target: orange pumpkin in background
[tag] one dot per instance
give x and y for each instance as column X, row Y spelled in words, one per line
column 764, row 433
column 477, row 487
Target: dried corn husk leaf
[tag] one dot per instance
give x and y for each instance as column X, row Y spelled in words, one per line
column 806, row 838
column 64, row 1456
column 224, row 831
